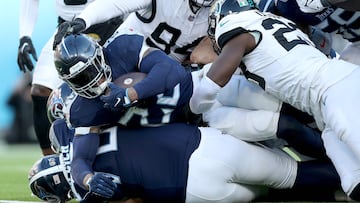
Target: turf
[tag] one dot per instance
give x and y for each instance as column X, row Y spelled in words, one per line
column 16, row 160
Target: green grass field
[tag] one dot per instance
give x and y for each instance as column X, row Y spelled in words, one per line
column 16, row 160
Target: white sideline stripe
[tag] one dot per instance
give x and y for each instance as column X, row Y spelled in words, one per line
column 14, row 201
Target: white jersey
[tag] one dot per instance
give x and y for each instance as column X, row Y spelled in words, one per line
column 169, row 25
column 176, row 31
column 300, row 82
column 64, row 9
column 69, row 9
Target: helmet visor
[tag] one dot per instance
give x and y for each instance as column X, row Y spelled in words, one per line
column 84, row 77
column 87, row 77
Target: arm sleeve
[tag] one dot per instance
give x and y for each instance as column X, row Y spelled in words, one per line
column 204, row 96
column 29, row 10
column 101, row 11
column 163, row 73
column 85, row 148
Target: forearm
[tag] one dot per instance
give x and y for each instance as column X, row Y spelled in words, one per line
column 100, row 11
column 85, row 148
column 163, row 74
column 29, row 10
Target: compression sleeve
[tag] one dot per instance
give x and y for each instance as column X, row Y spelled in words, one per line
column 84, row 154
column 29, row 10
column 163, row 73
column 101, row 11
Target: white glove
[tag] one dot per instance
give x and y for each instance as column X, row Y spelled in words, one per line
column 310, row 6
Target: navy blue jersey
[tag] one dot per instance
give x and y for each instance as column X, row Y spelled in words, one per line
column 150, row 162
column 163, row 94
column 330, row 20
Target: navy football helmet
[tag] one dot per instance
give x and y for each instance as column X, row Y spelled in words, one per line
column 80, row 62
column 223, row 8
column 48, row 182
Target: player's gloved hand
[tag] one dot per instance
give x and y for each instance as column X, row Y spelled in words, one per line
column 26, row 48
column 66, row 28
column 102, row 185
column 116, row 99
column 310, row 6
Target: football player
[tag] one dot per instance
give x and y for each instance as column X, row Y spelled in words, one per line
column 318, row 5
column 92, row 70
column 45, row 77
column 161, row 97
column 176, row 31
column 173, row 163
column 272, row 52
column 337, row 21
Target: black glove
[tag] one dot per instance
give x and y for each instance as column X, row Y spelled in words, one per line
column 66, row 28
column 26, row 48
column 101, row 185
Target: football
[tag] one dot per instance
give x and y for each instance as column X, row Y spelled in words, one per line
column 129, row 79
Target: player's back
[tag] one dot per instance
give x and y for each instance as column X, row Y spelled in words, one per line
column 171, row 26
column 284, row 57
column 150, row 162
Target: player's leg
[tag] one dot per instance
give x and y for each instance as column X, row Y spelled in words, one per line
column 261, row 125
column 244, row 124
column 300, row 137
column 222, row 160
column 45, row 78
column 351, row 53
column 240, row 92
column 341, row 111
column 222, row 192
column 344, row 160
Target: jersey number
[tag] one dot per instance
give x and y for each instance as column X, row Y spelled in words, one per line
column 279, row 35
column 112, row 141
column 162, row 100
column 268, row 24
column 164, row 29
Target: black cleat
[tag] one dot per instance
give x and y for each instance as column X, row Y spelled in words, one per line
column 355, row 194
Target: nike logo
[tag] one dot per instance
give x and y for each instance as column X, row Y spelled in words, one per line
column 223, row 23
column 118, row 100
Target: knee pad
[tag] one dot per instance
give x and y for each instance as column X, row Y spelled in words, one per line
column 248, row 125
